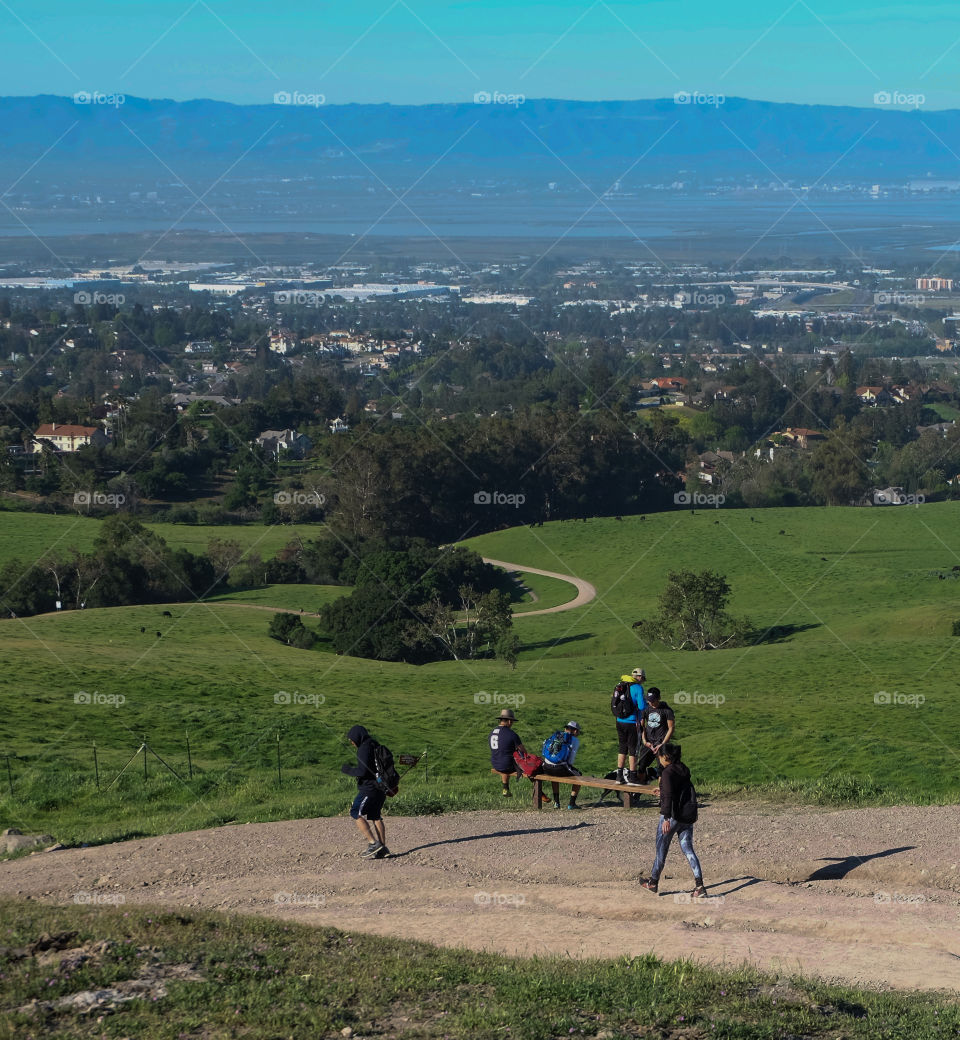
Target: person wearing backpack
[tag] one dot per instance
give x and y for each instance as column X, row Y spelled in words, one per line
column 559, row 752
column 368, row 805
column 626, row 704
column 678, row 814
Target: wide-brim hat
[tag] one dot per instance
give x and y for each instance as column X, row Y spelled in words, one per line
column 507, row 713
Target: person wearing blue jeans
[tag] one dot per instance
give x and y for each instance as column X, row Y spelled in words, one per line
column 678, row 813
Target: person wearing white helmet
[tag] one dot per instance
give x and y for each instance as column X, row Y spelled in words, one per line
column 559, row 752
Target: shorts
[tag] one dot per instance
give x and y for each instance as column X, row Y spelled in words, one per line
column 367, row 805
column 627, row 738
column 559, row 769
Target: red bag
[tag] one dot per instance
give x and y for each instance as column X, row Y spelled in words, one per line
column 528, row 764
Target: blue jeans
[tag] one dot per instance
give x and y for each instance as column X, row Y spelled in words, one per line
column 684, row 834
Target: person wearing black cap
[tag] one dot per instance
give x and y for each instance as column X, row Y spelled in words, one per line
column 367, row 806
column 503, row 743
column 559, row 752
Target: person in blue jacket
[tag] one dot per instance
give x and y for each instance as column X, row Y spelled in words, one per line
column 560, row 762
column 628, row 732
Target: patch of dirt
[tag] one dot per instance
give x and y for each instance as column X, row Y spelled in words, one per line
column 869, row 897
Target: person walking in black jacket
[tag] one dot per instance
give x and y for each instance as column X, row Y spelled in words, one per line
column 367, row 806
column 678, row 813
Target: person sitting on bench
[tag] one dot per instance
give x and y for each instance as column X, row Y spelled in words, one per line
column 559, row 751
column 503, row 743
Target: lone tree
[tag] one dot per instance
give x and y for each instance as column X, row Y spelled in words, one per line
column 692, row 614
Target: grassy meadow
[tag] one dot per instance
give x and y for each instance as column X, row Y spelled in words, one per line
column 256, row 978
column 851, row 698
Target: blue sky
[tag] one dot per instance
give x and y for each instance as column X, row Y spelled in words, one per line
column 420, row 51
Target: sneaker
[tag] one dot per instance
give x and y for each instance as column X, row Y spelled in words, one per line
column 573, row 805
column 556, row 805
column 381, row 853
column 699, row 892
column 632, row 777
column 650, row 885
column 545, row 798
column 620, row 777
column 372, row 849
column 506, row 793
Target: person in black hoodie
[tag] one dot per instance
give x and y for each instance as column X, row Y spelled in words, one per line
column 367, row 806
column 678, row 813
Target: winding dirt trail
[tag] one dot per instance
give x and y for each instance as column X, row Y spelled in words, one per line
column 585, row 591
column 870, row 897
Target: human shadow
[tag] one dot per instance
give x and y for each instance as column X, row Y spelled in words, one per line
column 839, row 868
column 494, row 834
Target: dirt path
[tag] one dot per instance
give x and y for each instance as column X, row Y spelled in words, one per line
column 870, row 897
column 585, row 591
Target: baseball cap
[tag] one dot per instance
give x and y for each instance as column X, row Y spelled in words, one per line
column 573, row 725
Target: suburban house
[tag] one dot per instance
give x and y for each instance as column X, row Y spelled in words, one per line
column 339, row 426
column 800, row 436
column 63, row 437
column 282, row 341
column 711, row 465
column 872, row 394
column 285, row 442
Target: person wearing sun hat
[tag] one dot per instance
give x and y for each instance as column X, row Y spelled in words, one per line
column 503, row 743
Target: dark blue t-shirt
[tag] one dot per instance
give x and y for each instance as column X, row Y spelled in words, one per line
column 503, row 743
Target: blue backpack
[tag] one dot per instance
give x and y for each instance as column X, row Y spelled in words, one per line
column 556, row 747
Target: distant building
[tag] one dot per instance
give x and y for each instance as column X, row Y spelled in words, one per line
column 66, row 438
column 339, row 425
column 935, row 284
column 285, row 442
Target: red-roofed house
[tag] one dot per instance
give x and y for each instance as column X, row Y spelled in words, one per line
column 65, row 437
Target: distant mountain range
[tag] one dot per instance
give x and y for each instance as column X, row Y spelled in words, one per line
column 100, row 141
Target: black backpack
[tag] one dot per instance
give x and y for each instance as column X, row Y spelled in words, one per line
column 686, row 805
column 388, row 779
column 621, row 703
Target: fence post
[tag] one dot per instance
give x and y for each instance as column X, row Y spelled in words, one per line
column 144, row 750
column 189, row 759
column 9, row 776
column 96, row 765
column 279, row 777
column 426, row 766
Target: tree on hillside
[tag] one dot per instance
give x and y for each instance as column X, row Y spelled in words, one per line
column 693, row 616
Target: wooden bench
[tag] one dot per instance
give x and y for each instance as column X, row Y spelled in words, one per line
column 625, row 790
